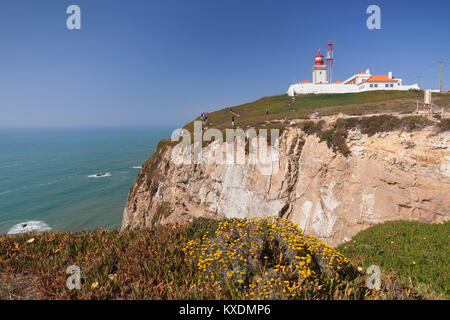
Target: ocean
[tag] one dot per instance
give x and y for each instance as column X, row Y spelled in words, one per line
column 47, row 177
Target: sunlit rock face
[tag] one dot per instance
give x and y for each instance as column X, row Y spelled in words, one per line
column 388, row 176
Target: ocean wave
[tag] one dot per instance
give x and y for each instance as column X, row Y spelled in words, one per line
column 13, row 190
column 10, row 166
column 136, row 167
column 36, row 185
column 29, row 226
column 95, row 176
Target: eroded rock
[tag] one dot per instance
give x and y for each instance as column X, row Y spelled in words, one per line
column 388, row 176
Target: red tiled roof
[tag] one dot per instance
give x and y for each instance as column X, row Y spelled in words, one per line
column 380, row 78
column 337, row 81
column 305, row 81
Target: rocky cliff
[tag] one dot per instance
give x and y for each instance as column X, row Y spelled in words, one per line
column 387, row 176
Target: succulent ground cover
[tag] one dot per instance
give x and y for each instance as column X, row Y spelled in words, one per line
column 266, row 258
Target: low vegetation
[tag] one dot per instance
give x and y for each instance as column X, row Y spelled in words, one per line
column 266, row 258
column 383, row 123
column 263, row 258
column 417, row 254
column 335, row 134
column 444, row 125
column 280, row 107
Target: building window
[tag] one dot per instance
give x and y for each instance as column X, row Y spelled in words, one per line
column 376, row 85
column 392, row 85
column 386, row 85
column 371, row 85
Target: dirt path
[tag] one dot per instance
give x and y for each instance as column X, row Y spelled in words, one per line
column 290, row 103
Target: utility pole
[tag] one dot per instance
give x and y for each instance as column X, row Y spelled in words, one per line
column 440, row 82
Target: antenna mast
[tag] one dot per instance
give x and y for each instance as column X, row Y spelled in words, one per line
column 330, row 58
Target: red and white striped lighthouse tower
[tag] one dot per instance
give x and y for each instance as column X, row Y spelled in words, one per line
column 319, row 70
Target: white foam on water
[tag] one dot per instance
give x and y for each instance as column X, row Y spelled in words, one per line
column 36, row 185
column 136, row 167
column 11, row 166
column 95, row 176
column 13, row 190
column 29, row 226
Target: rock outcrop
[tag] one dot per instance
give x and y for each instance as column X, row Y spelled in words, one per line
column 389, row 176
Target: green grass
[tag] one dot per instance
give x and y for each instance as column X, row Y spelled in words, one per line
column 253, row 114
column 413, row 251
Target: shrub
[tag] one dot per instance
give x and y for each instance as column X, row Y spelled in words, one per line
column 444, row 125
column 383, row 123
column 336, row 136
column 336, row 140
column 201, row 226
column 263, row 257
column 311, row 127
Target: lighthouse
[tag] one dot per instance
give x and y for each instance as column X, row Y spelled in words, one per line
column 319, row 70
column 359, row 82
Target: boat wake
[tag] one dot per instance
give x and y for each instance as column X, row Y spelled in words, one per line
column 100, row 175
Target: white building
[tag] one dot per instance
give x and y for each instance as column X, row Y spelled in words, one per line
column 358, row 78
column 362, row 81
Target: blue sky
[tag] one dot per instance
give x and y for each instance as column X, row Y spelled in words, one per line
column 161, row 63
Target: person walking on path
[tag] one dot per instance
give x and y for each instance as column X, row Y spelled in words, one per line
column 267, row 111
column 232, row 121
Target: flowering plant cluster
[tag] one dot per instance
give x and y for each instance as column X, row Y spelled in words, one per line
column 264, row 258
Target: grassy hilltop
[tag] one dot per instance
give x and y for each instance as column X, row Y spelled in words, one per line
column 379, row 107
column 281, row 107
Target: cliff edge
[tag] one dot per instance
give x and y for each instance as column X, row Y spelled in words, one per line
column 394, row 174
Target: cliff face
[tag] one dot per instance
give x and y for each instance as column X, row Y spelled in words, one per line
column 388, row 176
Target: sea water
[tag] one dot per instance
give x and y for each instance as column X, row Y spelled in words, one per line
column 48, row 176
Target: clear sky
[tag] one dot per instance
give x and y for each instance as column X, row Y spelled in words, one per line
column 161, row 63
